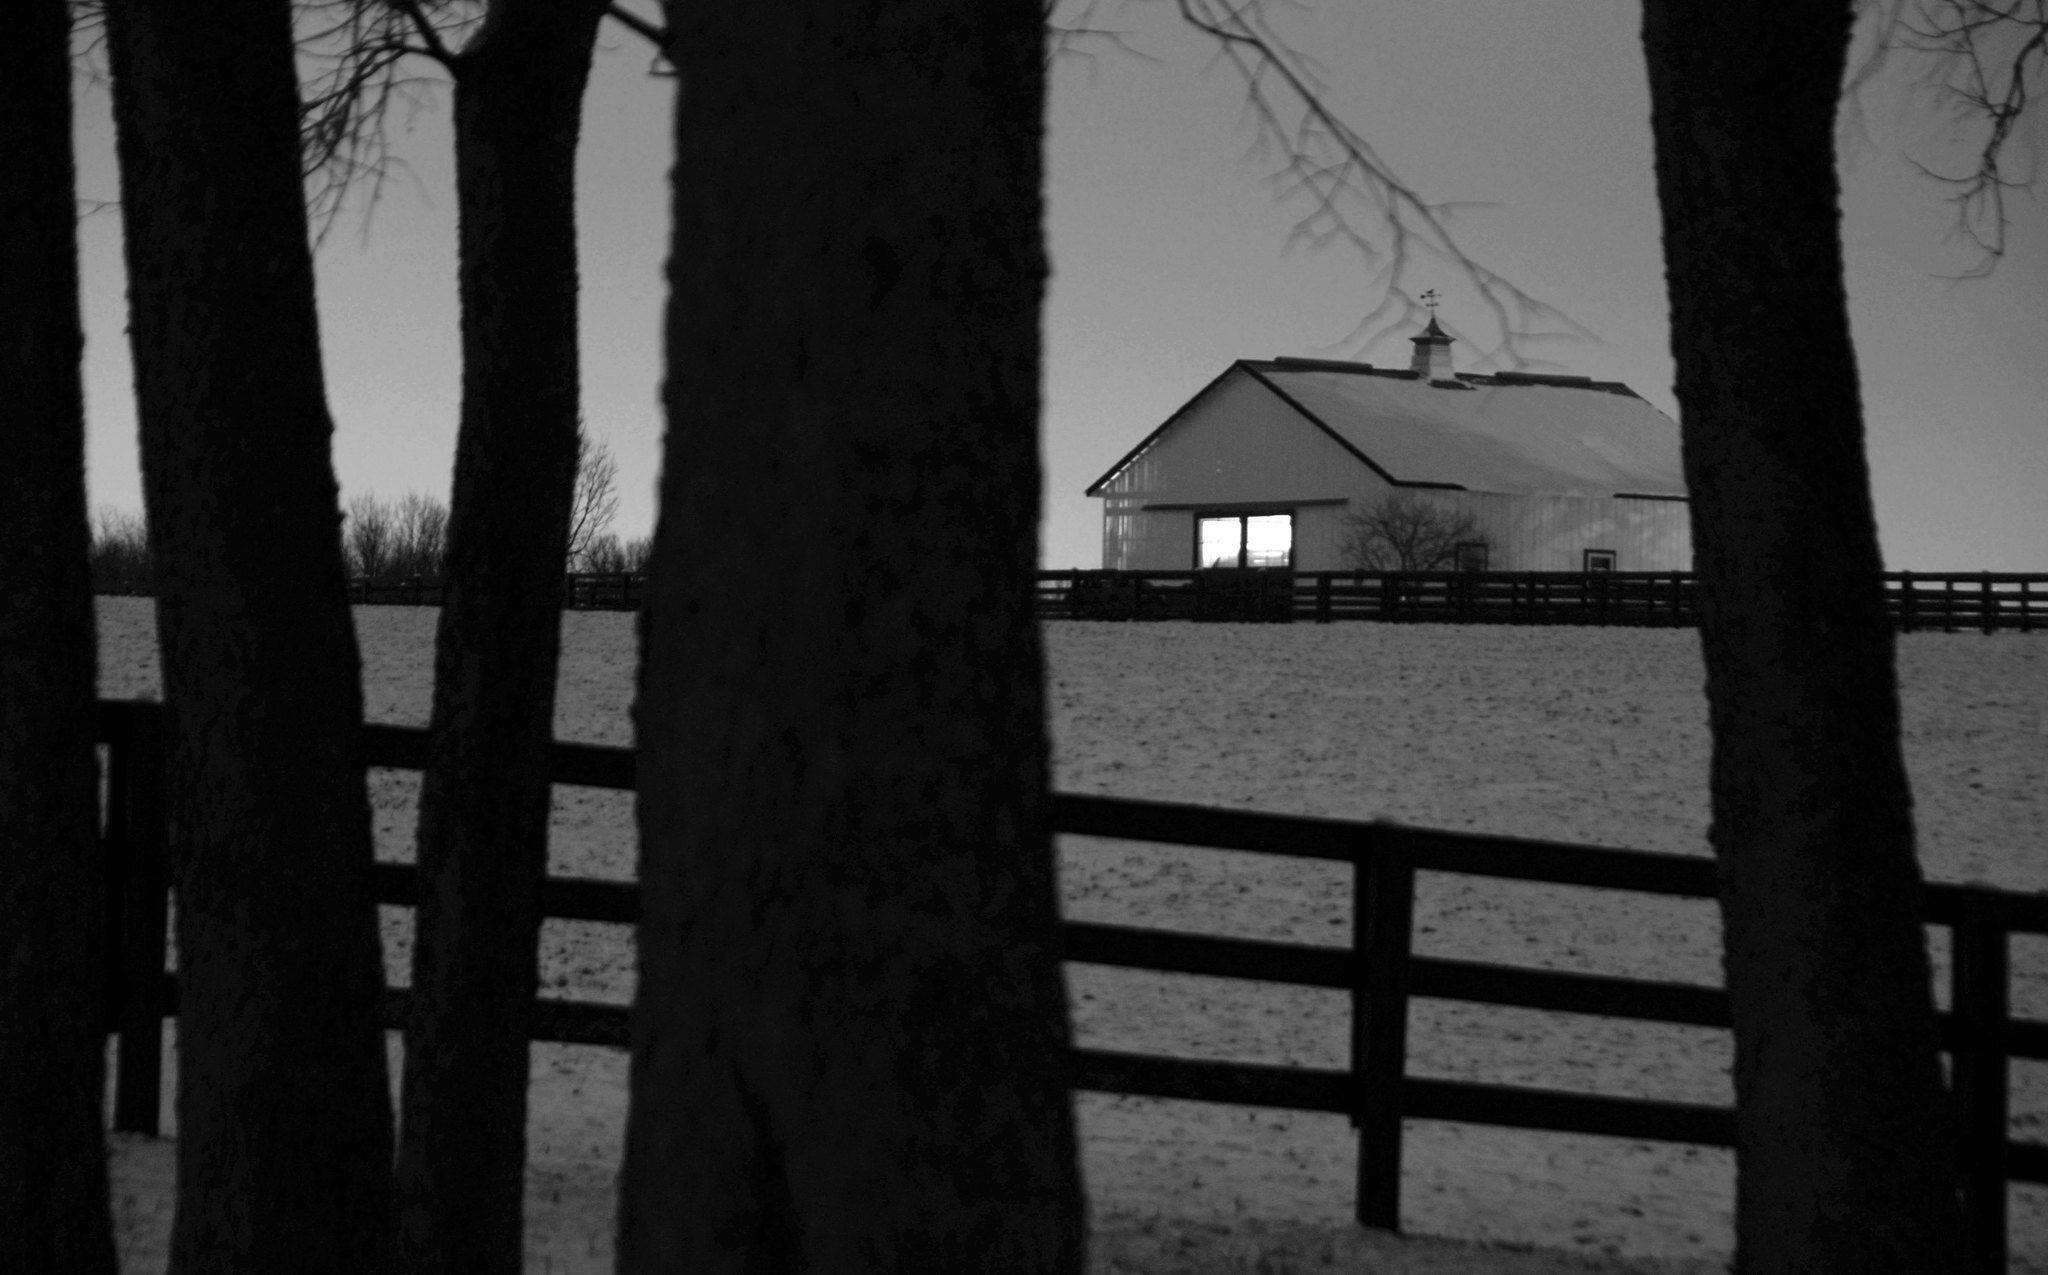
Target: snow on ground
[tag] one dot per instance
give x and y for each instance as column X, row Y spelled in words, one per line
column 1573, row 734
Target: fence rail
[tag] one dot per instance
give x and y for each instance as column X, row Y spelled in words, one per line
column 581, row 591
column 1985, row 601
column 1378, row 968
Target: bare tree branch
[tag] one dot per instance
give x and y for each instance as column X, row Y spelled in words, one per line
column 355, row 59
column 596, row 501
column 652, row 32
column 1354, row 198
column 423, row 27
column 1984, row 60
column 1071, row 38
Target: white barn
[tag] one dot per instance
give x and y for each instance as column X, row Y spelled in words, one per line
column 1561, row 473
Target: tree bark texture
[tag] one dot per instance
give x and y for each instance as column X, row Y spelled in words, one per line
column 1845, row 1156
column 484, row 806
column 284, row 1108
column 850, row 1036
column 53, row 968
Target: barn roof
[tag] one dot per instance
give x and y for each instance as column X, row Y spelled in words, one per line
column 1507, row 432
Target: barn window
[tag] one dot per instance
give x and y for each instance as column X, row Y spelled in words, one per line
column 1469, row 555
column 1269, row 540
column 1222, row 542
column 1245, row 540
column 1599, row 559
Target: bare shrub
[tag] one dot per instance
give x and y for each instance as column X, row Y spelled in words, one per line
column 419, row 536
column 396, row 539
column 602, row 556
column 1407, row 532
column 120, row 553
column 608, row 556
column 366, row 537
column 595, row 504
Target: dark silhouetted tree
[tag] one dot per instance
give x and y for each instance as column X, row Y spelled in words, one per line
column 284, row 1110
column 850, row 1031
column 1845, row 1156
column 519, row 77
column 53, row 1171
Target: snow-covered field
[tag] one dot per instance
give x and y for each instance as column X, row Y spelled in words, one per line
column 1584, row 735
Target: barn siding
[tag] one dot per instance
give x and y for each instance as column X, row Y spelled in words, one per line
column 1239, row 443
column 1551, row 533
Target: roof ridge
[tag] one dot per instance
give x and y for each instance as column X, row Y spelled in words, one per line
column 1293, row 363
column 1559, row 380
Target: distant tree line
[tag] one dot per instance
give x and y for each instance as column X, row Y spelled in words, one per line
column 399, row 538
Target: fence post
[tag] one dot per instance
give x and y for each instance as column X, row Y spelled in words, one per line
column 1984, row 591
column 1390, row 596
column 136, row 894
column 1978, row 992
column 2026, row 607
column 1323, row 598
column 1382, row 914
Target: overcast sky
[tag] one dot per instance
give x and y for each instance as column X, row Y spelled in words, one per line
column 1170, row 259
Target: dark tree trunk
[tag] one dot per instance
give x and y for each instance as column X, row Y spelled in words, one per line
column 484, row 808
column 850, row 1035
column 1844, row 1157
column 53, row 1168
column 284, row 1109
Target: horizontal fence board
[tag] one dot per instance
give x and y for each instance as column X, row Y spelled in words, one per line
column 1309, row 837
column 1518, row 1107
column 566, row 1022
column 1555, row 863
column 2021, row 913
column 1176, row 952
column 1203, row 1080
column 584, row 765
column 2025, row 1038
column 559, row 898
column 2026, row 1162
column 1302, row 836
column 1564, row 992
column 582, row 1023
column 590, row 899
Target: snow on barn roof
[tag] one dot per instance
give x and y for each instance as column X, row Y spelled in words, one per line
column 1515, row 432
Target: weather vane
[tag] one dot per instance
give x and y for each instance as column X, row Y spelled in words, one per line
column 1429, row 299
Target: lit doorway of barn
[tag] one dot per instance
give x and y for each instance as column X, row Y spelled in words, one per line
column 1246, row 540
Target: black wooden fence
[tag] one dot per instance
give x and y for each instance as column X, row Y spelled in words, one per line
column 1980, row 600
column 1377, row 967
column 582, row 591
column 1983, row 600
